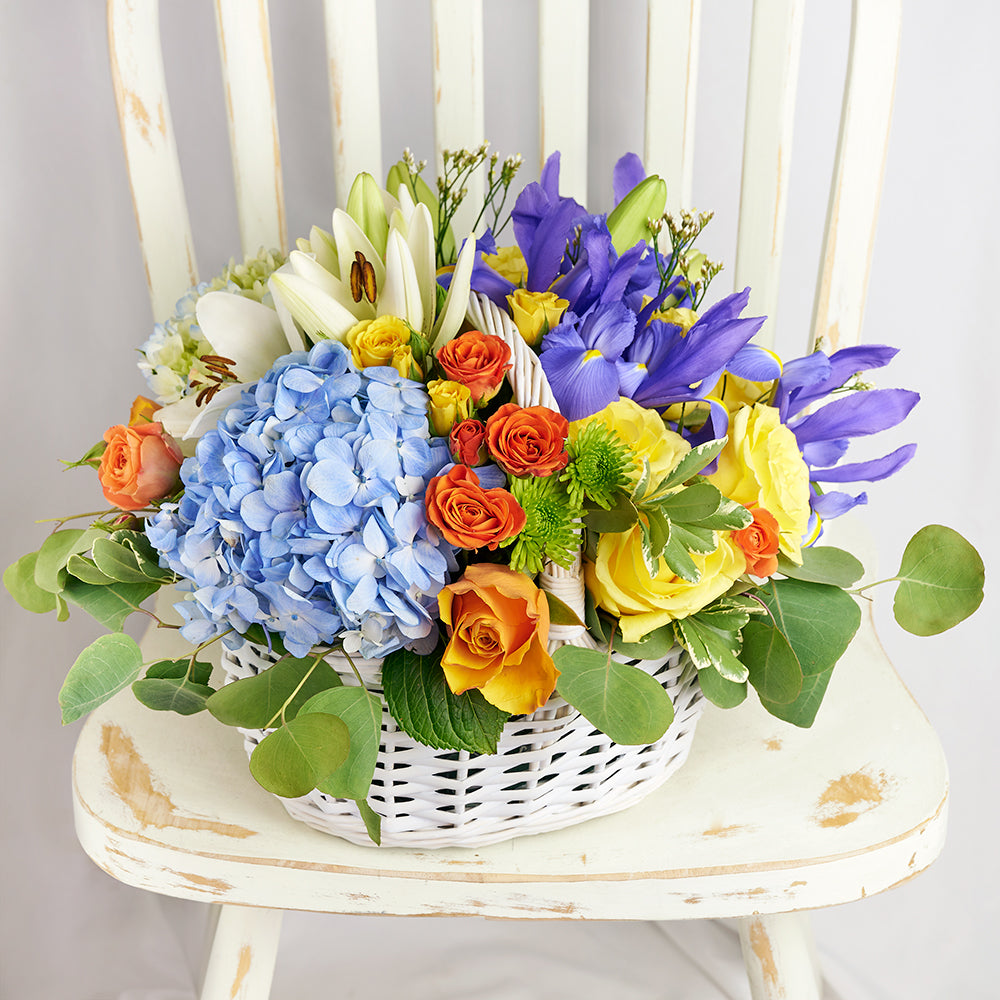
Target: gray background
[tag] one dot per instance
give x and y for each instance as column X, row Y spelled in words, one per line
column 74, row 307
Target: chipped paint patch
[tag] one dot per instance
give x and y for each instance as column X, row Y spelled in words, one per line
column 850, row 795
column 721, row 831
column 773, row 744
column 760, row 943
column 214, row 885
column 132, row 781
column 241, row 971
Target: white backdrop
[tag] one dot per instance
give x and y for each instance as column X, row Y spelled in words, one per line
column 74, row 307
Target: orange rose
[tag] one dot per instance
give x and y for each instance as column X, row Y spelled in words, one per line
column 759, row 542
column 140, row 464
column 477, row 360
column 469, row 516
column 467, row 441
column 528, row 440
column 498, row 621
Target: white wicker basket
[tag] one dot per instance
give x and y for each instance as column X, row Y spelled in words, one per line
column 552, row 769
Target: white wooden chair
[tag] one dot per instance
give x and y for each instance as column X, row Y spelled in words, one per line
column 764, row 820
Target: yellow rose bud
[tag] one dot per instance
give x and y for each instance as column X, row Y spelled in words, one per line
column 450, row 402
column 644, row 432
column 761, row 466
column 620, row 582
column 382, row 342
column 535, row 313
column 509, row 263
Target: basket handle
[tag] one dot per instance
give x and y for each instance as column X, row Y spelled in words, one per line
column 531, row 388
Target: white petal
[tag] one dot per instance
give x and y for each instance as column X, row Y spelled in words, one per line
column 350, row 238
column 457, row 301
column 241, row 329
column 400, row 295
column 311, row 270
column 208, row 415
column 319, row 314
column 420, row 239
column 178, row 417
column 325, row 250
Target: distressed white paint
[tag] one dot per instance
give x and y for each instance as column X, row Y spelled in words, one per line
column 458, row 92
column 352, row 54
column 241, row 960
column 780, row 957
column 248, row 77
column 857, row 181
column 673, row 30
column 767, row 152
column 563, row 90
column 150, row 151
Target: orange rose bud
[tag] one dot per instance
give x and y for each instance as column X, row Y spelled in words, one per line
column 469, row 516
column 142, row 411
column 759, row 542
column 140, row 464
column 467, row 441
column 498, row 623
column 528, row 440
column 477, row 360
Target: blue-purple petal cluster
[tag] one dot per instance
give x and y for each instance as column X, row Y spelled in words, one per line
column 303, row 511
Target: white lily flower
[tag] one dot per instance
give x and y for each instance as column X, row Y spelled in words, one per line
column 401, row 294
column 457, row 301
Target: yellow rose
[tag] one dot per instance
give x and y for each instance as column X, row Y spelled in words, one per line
column 384, row 341
column 535, row 313
column 450, row 402
column 644, row 432
column 509, row 263
column 684, row 318
column 762, row 466
column 621, row 583
column 735, row 392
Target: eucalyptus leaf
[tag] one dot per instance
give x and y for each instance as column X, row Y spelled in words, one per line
column 109, row 664
column 110, row 604
column 361, row 712
column 823, row 564
column 200, row 672
column 941, row 580
column 719, row 691
column 86, row 571
column 621, row 700
column 560, row 613
column 300, row 755
column 118, row 562
column 172, row 694
column 55, row 552
column 256, row 702
column 19, row 579
column 652, row 646
column 802, row 710
column 774, row 669
column 372, row 821
column 419, row 699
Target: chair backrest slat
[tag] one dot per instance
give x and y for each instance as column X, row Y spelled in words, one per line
column 459, row 115
column 151, row 153
column 563, row 91
column 775, row 44
column 352, row 58
column 672, row 32
column 857, row 189
column 248, row 77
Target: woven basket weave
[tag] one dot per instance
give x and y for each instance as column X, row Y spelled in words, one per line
column 552, row 769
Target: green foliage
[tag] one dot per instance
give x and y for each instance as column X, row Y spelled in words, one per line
column 50, row 566
column 366, row 208
column 560, row 613
column 361, row 712
column 941, row 580
column 372, row 821
column 110, row 604
column 823, row 564
column 108, row 664
column 719, row 691
column 277, row 692
column 300, row 755
column 791, row 656
column 179, row 686
column 621, row 700
column 423, row 705
column 92, row 458
column 19, row 579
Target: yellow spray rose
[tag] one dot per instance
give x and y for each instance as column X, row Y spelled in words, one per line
column 684, row 318
column 509, row 263
column 384, row 341
column 450, row 403
column 621, row 583
column 535, row 313
column 644, row 432
column 762, row 466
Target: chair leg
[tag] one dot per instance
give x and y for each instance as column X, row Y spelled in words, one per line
column 780, row 957
column 244, row 947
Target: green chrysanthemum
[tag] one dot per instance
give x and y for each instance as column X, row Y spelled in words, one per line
column 552, row 529
column 599, row 465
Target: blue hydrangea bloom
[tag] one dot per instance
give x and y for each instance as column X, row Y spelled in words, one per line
column 303, row 511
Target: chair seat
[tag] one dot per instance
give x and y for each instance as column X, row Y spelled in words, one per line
column 763, row 818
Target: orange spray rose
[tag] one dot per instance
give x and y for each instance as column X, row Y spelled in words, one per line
column 759, row 542
column 528, row 440
column 469, row 516
column 477, row 360
column 140, row 464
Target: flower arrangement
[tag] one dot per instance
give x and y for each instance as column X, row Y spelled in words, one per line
column 335, row 463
